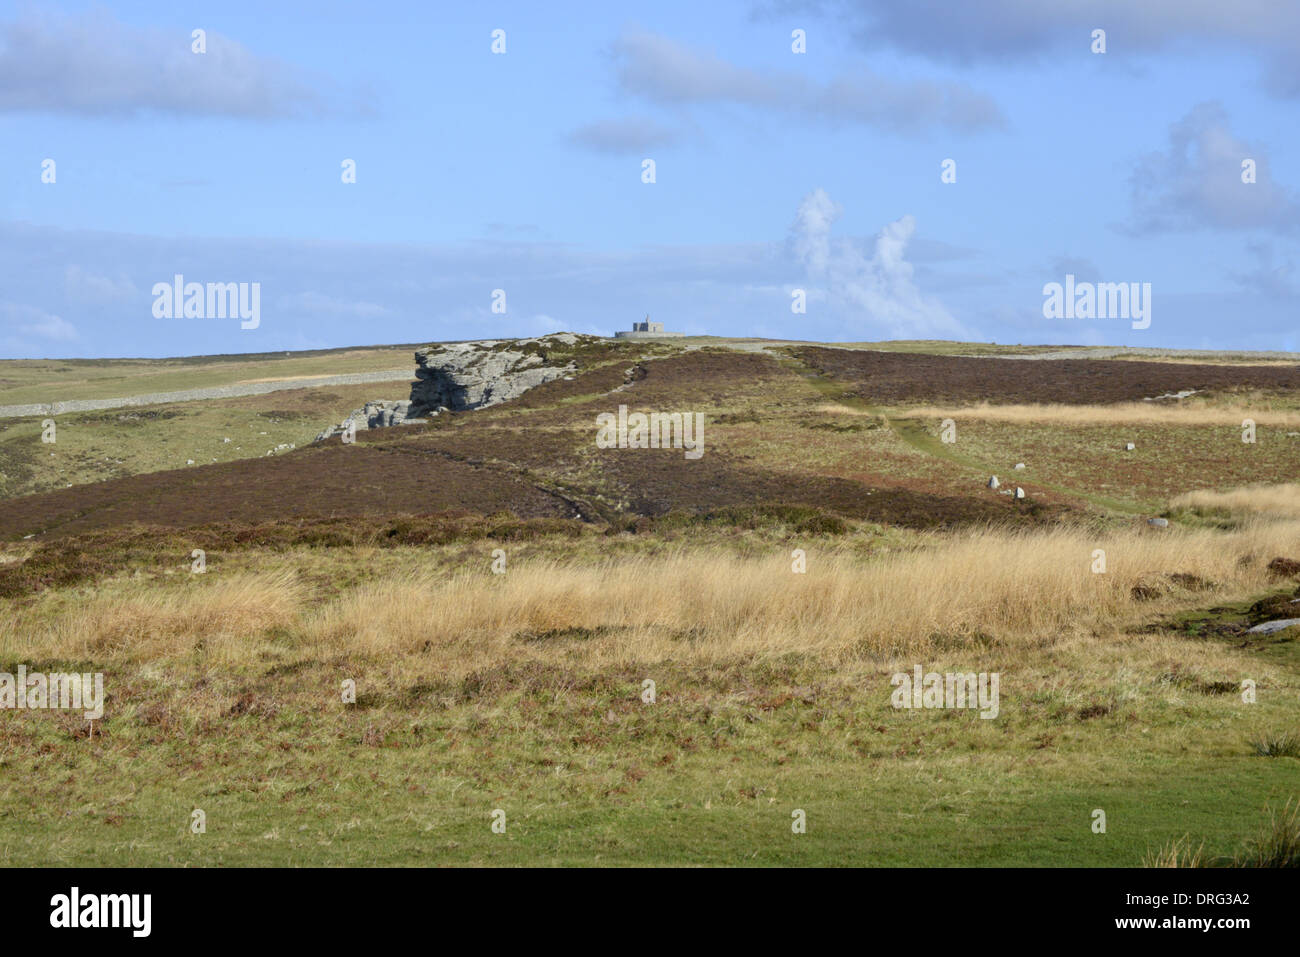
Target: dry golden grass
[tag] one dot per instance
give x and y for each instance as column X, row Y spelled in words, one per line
column 1281, row 501
column 1124, row 413
column 981, row 592
column 1229, row 360
column 1179, row 853
column 219, row 618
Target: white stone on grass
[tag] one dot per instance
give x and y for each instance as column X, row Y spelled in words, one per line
column 1268, row 627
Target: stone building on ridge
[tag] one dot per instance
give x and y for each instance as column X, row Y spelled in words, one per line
column 646, row 330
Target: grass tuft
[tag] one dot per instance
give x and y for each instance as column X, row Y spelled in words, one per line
column 1277, row 745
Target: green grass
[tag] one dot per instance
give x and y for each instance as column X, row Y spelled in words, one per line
column 415, row 812
column 93, row 446
column 971, row 459
column 1277, row 745
column 1089, row 461
column 588, row 774
column 24, row 381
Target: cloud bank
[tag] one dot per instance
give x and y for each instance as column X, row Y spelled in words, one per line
column 92, row 65
column 1197, row 182
column 973, row 31
column 668, row 73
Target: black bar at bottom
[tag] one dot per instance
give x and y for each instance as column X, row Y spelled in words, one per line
column 365, row 907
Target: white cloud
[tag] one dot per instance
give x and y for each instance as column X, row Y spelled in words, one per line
column 879, row 290
column 22, row 324
column 1197, row 182
column 812, row 231
column 666, row 72
column 997, row 30
column 92, row 64
column 89, row 287
column 1265, row 278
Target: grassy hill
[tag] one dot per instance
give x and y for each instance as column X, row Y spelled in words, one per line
column 522, row 686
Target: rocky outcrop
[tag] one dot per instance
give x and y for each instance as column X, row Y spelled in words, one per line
column 375, row 414
column 473, row 375
column 382, row 413
column 458, row 376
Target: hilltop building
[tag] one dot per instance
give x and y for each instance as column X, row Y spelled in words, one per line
column 646, row 330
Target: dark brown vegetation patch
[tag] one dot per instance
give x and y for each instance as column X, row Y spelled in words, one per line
column 792, row 519
column 520, row 443
column 534, row 458
column 892, row 377
column 85, row 557
column 1272, row 607
column 1284, row 567
column 705, row 376
column 659, row 481
column 331, row 480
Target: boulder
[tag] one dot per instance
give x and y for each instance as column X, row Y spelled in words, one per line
column 1158, row 522
column 376, row 414
column 993, row 482
column 1269, row 627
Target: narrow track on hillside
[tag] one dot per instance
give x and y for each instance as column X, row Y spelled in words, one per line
column 584, row 507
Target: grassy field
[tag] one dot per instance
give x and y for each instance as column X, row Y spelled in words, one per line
column 95, row 446
column 827, row 541
column 523, row 692
column 24, row 381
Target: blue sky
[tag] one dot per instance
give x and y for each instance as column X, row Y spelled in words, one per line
column 522, row 171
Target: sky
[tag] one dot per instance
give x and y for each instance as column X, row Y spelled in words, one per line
column 504, row 193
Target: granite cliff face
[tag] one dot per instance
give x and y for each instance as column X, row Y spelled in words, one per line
column 472, row 375
column 459, row 376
